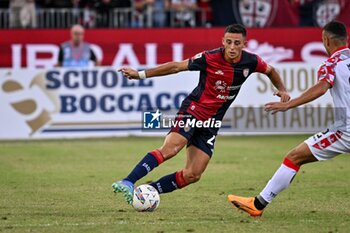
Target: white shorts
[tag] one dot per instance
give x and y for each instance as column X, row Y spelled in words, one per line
column 328, row 144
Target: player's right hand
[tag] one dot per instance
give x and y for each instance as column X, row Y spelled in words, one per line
column 129, row 73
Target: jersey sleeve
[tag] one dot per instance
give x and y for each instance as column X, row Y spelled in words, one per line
column 60, row 55
column 326, row 73
column 261, row 65
column 197, row 62
column 92, row 56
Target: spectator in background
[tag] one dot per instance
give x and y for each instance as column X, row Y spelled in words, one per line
column 22, row 14
column 121, row 17
column 150, row 13
column 76, row 52
column 182, row 13
column 306, row 11
column 89, row 16
column 76, row 11
column 124, row 18
column 204, row 17
column 103, row 8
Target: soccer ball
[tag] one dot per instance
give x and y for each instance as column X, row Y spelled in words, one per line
column 146, row 198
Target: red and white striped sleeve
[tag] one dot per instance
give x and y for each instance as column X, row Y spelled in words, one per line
column 326, row 72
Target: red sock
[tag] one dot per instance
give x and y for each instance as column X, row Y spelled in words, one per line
column 180, row 180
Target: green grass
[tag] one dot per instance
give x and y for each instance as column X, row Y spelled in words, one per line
column 65, row 186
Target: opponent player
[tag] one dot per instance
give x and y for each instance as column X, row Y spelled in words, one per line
column 222, row 72
column 334, row 74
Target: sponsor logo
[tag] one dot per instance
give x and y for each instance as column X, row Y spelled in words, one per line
column 219, row 72
column 148, row 168
column 272, row 194
column 159, row 187
column 225, row 97
column 198, row 55
column 232, row 88
column 220, row 86
column 174, row 184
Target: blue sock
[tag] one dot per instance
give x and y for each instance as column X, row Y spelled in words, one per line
column 147, row 164
column 166, row 184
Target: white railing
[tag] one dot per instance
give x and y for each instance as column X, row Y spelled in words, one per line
column 115, row 18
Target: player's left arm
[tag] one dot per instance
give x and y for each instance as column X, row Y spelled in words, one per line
column 277, row 82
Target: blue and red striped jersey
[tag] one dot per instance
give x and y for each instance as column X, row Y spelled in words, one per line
column 219, row 82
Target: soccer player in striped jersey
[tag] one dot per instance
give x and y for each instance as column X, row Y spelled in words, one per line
column 333, row 75
column 222, row 73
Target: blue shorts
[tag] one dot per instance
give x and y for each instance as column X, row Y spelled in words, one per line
column 202, row 138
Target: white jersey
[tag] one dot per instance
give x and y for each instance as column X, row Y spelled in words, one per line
column 336, row 71
column 336, row 139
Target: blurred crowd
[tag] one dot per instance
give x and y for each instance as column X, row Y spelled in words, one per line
column 168, row 13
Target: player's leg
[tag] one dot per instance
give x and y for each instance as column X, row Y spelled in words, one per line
column 280, row 181
column 197, row 161
column 173, row 143
column 199, row 151
column 321, row 146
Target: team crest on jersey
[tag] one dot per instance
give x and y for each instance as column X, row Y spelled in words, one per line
column 245, row 72
column 255, row 13
column 220, row 86
column 326, row 11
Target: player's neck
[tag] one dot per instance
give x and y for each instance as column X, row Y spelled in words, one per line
column 234, row 60
column 335, row 49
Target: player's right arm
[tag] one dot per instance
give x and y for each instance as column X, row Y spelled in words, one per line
column 164, row 69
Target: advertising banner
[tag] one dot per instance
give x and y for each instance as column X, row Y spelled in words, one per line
column 149, row 47
column 99, row 102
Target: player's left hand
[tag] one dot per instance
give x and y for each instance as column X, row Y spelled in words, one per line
column 283, row 95
column 276, row 107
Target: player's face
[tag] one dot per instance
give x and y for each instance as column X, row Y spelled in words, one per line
column 233, row 44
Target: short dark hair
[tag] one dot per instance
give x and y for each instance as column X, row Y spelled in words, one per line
column 337, row 30
column 236, row 28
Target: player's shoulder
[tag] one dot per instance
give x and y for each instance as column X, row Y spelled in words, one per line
column 337, row 57
column 249, row 55
column 248, row 58
column 214, row 53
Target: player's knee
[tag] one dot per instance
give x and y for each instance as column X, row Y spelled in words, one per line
column 190, row 176
column 296, row 157
column 169, row 151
